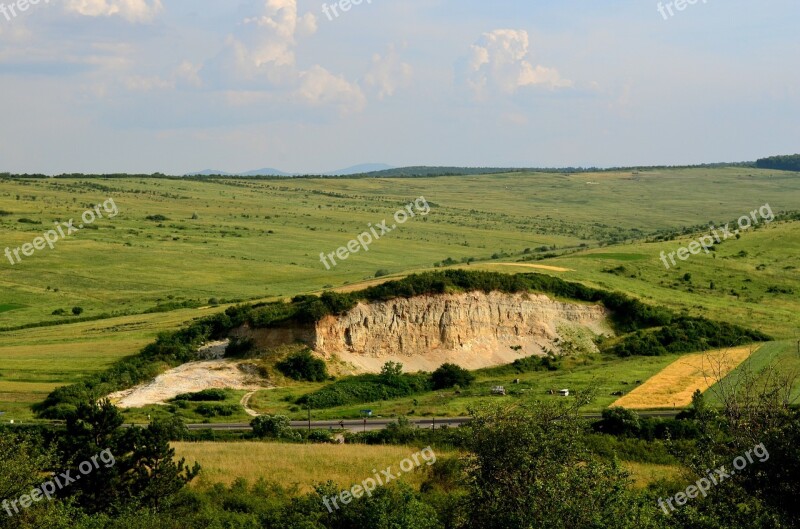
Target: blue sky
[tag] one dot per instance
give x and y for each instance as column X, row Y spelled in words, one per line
column 182, row 85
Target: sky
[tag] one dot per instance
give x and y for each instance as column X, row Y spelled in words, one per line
column 174, row 86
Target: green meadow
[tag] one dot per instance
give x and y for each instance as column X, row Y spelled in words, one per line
column 180, row 248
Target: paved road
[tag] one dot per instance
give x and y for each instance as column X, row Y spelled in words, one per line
column 359, row 425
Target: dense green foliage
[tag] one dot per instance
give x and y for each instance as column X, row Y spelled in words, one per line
column 366, row 388
column 782, row 163
column 303, row 366
column 627, row 423
column 529, row 465
column 273, row 427
column 449, row 375
column 130, row 469
column 685, row 335
column 207, row 395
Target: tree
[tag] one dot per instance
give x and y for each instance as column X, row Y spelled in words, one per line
column 24, row 461
column 303, row 366
column 273, row 427
column 392, row 373
column 138, row 468
column 449, row 375
column 77, row 311
column 620, row 421
column 529, row 468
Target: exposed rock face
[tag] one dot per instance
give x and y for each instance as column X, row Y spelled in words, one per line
column 471, row 329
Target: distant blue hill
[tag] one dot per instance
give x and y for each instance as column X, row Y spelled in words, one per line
column 269, row 171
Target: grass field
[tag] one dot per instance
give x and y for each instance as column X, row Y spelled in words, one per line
column 252, row 239
column 304, row 466
column 674, row 386
column 241, row 239
column 785, row 356
column 605, row 375
column 36, row 361
column 300, row 465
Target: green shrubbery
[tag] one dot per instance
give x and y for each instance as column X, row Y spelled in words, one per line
column 217, row 410
column 364, row 388
column 449, row 375
column 685, row 335
column 273, row 427
column 207, row 395
column 303, row 366
column 392, row 383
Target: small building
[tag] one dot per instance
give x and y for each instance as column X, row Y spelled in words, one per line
column 498, row 390
column 563, row 392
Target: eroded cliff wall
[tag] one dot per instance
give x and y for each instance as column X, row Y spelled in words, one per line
column 473, row 330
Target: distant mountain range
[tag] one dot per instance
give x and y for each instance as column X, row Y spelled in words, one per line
column 379, row 170
column 269, row 171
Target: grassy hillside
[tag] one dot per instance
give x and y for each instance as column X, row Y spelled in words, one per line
column 250, row 239
column 238, row 240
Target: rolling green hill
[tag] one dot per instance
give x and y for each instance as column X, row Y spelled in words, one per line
column 244, row 239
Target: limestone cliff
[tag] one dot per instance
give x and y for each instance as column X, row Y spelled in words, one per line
column 473, row 330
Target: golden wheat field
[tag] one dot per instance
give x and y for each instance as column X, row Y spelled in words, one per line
column 674, row 385
column 299, row 465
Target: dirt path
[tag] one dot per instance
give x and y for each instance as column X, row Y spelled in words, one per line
column 529, row 265
column 245, row 401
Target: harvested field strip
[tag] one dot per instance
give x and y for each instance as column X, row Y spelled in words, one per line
column 674, row 385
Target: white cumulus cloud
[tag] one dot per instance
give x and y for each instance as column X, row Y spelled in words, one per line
column 318, row 87
column 131, row 10
column 261, row 59
column 501, row 62
column 387, row 73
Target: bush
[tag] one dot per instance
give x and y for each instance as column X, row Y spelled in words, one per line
column 216, row 410
column 318, row 436
column 365, row 388
column 619, row 421
column 207, row 395
column 449, row 375
column 77, row 311
column 303, row 366
column 273, row 427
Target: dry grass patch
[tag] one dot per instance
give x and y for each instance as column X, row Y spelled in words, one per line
column 296, row 464
column 643, row 474
column 675, row 384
